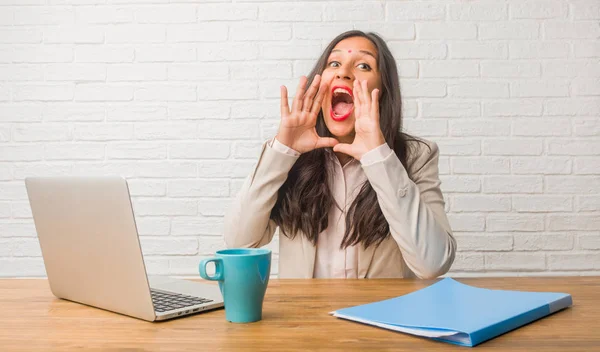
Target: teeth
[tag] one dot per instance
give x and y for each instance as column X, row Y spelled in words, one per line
column 341, row 90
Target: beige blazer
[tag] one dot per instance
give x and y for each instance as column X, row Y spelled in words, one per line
column 421, row 242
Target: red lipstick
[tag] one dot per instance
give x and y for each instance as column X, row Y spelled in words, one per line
column 340, row 118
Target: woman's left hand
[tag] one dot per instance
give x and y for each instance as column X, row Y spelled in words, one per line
column 368, row 135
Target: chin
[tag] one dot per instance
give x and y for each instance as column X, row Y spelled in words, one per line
column 340, row 129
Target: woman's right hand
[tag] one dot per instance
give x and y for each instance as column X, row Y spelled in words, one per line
column 297, row 126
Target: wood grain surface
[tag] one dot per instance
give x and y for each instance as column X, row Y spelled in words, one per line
column 295, row 318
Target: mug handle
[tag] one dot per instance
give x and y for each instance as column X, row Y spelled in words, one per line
column 218, row 269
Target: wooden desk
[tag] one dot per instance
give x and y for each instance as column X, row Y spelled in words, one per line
column 295, row 318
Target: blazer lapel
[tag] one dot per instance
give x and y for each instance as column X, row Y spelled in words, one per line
column 365, row 256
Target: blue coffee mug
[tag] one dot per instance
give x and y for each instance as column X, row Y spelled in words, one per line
column 243, row 276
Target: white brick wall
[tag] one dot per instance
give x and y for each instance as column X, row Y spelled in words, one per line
column 178, row 95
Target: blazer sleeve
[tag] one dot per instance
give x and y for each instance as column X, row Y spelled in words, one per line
column 247, row 222
column 415, row 210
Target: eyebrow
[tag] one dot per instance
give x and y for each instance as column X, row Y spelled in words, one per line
column 360, row 51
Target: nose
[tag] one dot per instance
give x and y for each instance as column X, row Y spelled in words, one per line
column 343, row 74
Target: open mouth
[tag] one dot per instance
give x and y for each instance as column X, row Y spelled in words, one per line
column 342, row 103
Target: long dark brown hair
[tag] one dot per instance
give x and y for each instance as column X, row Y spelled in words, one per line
column 304, row 200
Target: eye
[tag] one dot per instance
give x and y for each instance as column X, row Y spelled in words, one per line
column 365, row 66
column 332, row 63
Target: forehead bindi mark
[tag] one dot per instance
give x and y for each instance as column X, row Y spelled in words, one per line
column 349, row 51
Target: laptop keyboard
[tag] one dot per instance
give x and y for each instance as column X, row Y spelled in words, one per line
column 165, row 301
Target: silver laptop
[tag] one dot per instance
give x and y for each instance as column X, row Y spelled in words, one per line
column 92, row 253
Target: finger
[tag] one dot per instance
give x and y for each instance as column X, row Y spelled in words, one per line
column 357, row 103
column 316, row 106
column 365, row 92
column 324, row 142
column 356, row 92
column 310, row 94
column 323, row 89
column 343, row 148
column 285, row 108
column 297, row 103
column 375, row 104
column 366, row 99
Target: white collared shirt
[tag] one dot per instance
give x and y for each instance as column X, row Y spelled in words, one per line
column 345, row 184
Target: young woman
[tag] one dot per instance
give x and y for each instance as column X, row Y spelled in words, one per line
column 352, row 195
